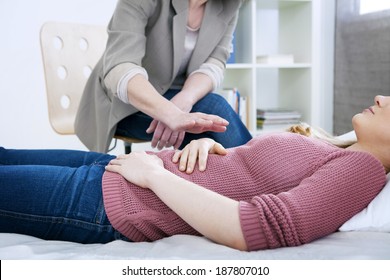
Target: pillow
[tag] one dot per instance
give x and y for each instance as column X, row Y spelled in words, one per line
column 375, row 217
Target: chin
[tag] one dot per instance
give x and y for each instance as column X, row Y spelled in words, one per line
column 356, row 122
column 355, row 119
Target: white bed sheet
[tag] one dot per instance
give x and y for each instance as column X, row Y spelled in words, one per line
column 337, row 246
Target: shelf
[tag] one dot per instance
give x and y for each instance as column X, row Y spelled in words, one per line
column 279, row 4
column 239, row 66
column 294, row 65
column 280, row 27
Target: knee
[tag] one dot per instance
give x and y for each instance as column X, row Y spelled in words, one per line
column 215, row 98
column 215, row 104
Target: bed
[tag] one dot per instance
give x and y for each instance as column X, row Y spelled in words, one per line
column 361, row 245
column 366, row 236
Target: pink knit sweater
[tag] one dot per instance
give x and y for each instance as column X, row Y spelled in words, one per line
column 292, row 190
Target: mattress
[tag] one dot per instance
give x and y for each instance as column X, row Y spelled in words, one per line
column 357, row 245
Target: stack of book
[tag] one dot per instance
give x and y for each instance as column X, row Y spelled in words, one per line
column 277, row 118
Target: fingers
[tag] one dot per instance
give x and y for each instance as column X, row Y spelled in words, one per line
column 157, row 134
column 196, row 152
column 164, row 137
column 218, row 149
column 112, row 168
column 205, row 122
column 179, row 140
column 152, row 126
column 188, row 160
column 176, row 156
column 202, row 159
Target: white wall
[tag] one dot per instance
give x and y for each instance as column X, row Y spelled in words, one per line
column 24, row 119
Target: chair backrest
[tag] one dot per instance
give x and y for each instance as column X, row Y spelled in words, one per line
column 69, row 52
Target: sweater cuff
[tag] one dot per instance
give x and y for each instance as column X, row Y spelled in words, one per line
column 113, row 77
column 251, row 227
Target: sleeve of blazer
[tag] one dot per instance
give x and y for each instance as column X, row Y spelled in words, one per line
column 126, row 39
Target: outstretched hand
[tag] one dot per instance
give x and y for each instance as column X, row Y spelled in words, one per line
column 172, row 133
column 199, row 122
column 163, row 136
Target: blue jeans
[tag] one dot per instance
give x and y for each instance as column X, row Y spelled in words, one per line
column 236, row 134
column 54, row 195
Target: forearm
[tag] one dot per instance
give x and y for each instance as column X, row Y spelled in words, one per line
column 142, row 95
column 195, row 88
column 211, row 214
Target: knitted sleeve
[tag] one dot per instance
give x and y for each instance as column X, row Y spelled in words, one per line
column 318, row 206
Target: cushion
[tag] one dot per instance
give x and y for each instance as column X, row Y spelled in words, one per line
column 375, row 217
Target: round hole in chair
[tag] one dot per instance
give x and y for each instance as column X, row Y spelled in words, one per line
column 65, row 101
column 83, row 44
column 87, row 71
column 58, row 44
column 62, row 73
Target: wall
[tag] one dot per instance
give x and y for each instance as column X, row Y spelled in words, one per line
column 23, row 109
column 362, row 61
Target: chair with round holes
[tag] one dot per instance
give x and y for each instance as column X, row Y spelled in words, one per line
column 69, row 52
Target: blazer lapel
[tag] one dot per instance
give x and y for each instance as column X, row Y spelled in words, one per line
column 179, row 32
column 211, row 32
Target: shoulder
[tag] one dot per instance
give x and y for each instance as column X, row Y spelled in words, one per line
column 146, row 6
column 230, row 7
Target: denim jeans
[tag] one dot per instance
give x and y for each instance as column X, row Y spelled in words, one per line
column 54, row 195
column 236, row 134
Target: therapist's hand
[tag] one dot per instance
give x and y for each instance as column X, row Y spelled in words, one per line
column 163, row 136
column 187, row 122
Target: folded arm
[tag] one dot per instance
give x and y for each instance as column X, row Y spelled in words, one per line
column 213, row 215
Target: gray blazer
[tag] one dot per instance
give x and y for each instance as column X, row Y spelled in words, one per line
column 150, row 34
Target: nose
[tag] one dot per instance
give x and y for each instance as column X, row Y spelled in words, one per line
column 381, row 100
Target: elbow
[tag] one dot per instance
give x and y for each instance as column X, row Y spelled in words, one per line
column 238, row 244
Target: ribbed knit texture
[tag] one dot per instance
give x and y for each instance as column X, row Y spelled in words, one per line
column 292, row 190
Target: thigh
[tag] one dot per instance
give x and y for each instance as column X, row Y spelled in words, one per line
column 71, row 158
column 236, row 133
column 51, row 202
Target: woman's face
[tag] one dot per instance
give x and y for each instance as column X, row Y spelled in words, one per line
column 373, row 124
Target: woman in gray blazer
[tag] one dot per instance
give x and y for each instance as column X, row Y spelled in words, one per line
column 154, row 81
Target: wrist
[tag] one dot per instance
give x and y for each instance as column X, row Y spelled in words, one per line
column 156, row 177
column 184, row 100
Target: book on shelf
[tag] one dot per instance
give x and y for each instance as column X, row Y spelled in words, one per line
column 275, row 59
column 277, row 118
column 238, row 102
column 277, row 113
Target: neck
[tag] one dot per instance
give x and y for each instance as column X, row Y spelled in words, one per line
column 195, row 13
column 197, row 3
column 383, row 155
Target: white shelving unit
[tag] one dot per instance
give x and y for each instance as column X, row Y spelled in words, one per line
column 303, row 28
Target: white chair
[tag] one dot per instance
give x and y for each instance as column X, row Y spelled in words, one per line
column 69, row 52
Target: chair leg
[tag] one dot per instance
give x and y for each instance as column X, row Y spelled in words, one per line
column 127, row 148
